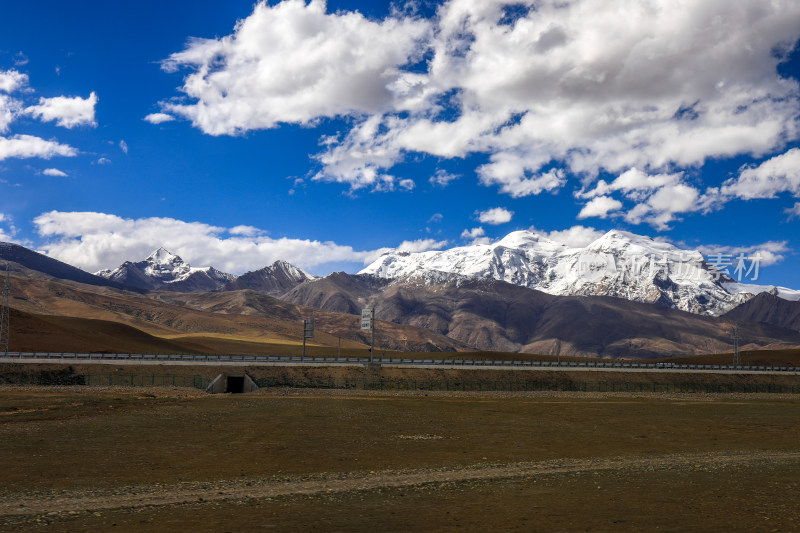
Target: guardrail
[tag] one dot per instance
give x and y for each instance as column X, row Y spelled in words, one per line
column 391, row 361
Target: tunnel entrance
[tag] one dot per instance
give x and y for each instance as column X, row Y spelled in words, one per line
column 235, row 384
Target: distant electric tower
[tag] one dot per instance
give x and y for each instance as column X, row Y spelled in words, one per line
column 735, row 335
column 5, row 294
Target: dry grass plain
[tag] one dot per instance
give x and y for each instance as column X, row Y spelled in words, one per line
column 163, row 459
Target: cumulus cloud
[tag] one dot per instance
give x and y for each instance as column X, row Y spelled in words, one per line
column 776, row 175
column 7, row 229
column 54, row 172
column 12, row 106
column 12, row 80
column 123, row 146
column 27, row 146
column 664, row 205
column 658, row 198
column 293, row 62
column 768, row 253
column 442, row 178
column 793, row 212
column 10, row 109
column 600, row 206
column 574, row 237
column 495, row 216
column 94, row 241
column 66, row 111
column 656, row 86
column 159, row 118
column 475, row 236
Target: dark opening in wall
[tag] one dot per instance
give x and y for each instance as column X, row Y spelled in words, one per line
column 235, row 384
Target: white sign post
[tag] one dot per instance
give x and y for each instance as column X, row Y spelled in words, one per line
column 368, row 323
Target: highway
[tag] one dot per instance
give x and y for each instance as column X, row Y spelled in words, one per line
column 282, row 360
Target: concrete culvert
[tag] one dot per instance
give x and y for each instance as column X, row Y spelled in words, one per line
column 231, row 383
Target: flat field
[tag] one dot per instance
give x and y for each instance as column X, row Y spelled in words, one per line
column 162, row 459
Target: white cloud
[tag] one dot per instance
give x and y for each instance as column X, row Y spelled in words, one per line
column 293, row 63
column 10, row 109
column 27, row 146
column 510, row 175
column 574, row 237
column 11, row 80
column 599, row 206
column 436, row 218
column 123, row 146
column 662, row 207
column 475, row 236
column 793, row 212
column 103, row 161
column 94, row 241
column 246, row 231
column 421, row 245
column 769, row 253
column 495, row 216
column 7, row 234
column 776, row 175
column 159, row 118
column 407, row 184
column 442, row 178
column 633, row 183
column 658, row 198
column 66, row 111
column 655, row 86
column 20, row 59
column 54, row 172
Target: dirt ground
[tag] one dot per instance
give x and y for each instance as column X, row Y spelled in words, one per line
column 159, row 459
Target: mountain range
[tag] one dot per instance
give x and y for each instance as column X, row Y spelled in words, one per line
column 621, row 296
column 165, row 271
column 619, row 264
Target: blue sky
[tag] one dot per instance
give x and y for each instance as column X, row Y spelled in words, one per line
column 321, row 134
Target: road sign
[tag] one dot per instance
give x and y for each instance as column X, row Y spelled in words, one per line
column 308, row 328
column 367, row 317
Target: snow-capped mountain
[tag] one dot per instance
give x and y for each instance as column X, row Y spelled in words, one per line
column 276, row 279
column 619, row 264
column 163, row 270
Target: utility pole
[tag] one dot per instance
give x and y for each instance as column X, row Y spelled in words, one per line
column 308, row 333
column 5, row 312
column 736, row 360
column 368, row 323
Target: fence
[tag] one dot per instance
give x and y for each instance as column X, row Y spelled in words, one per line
column 201, row 382
column 117, row 379
column 524, row 386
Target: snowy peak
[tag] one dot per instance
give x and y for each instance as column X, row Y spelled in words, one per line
column 162, row 256
column 163, row 270
column 619, row 264
column 277, row 279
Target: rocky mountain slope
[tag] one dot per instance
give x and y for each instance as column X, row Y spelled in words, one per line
column 768, row 308
column 488, row 314
column 619, row 264
column 33, row 264
column 275, row 279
